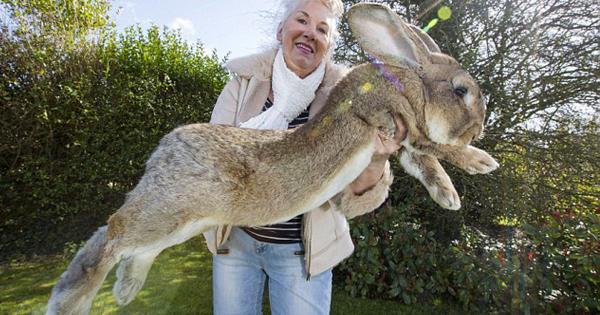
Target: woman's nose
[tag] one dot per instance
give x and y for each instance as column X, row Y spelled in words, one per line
column 310, row 35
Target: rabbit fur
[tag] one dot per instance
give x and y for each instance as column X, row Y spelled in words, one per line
column 205, row 175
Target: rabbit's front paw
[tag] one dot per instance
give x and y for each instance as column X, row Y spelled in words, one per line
column 477, row 161
column 445, row 195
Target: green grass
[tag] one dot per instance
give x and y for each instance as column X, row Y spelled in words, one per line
column 179, row 283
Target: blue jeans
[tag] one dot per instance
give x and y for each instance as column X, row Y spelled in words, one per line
column 239, row 279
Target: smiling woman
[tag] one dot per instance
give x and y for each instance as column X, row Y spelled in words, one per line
column 282, row 88
column 306, row 38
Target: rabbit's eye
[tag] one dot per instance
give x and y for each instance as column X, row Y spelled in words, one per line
column 460, row 91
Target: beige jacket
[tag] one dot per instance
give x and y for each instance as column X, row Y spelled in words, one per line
column 326, row 234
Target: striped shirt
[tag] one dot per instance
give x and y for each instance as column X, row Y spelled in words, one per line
column 286, row 232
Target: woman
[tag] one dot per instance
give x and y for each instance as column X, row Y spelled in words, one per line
column 281, row 89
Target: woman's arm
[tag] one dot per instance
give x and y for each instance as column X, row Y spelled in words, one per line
column 384, row 147
column 371, row 188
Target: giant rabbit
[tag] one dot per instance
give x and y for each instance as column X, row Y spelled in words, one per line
column 205, row 175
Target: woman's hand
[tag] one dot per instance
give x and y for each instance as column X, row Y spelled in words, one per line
column 384, row 147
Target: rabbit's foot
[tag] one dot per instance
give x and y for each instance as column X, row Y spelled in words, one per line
column 444, row 194
column 474, row 160
column 125, row 290
column 430, row 172
column 480, row 162
column 131, row 275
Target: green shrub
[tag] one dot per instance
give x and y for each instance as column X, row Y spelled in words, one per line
column 545, row 269
column 80, row 120
column 563, row 262
column 403, row 260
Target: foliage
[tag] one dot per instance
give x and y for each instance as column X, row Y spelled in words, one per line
column 563, row 261
column 79, row 120
column 399, row 259
column 58, row 17
column 547, row 269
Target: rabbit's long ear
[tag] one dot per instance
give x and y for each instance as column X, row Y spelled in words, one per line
column 382, row 33
column 427, row 40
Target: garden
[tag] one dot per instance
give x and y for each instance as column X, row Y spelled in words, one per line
column 82, row 106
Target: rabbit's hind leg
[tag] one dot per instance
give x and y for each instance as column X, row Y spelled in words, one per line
column 133, row 269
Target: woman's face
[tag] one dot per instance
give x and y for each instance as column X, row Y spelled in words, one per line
column 305, row 37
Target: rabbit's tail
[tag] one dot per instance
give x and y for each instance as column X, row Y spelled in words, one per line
column 76, row 288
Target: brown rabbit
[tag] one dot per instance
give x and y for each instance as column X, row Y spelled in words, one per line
column 442, row 105
column 205, row 175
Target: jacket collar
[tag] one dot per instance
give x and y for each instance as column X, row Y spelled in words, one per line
column 260, row 66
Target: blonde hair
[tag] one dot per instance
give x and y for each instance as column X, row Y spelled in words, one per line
column 335, row 6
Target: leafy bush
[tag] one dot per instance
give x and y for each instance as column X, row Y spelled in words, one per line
column 404, row 260
column 79, row 121
column 546, row 269
column 563, row 262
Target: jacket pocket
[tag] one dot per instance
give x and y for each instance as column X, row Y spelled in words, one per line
column 323, row 229
column 341, row 223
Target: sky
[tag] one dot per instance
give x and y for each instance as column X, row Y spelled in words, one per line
column 240, row 27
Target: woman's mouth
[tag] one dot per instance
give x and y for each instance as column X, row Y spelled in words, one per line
column 305, row 48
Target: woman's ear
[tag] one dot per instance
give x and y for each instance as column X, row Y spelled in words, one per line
column 279, row 32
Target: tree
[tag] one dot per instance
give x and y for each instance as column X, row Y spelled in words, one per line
column 58, row 18
column 537, row 63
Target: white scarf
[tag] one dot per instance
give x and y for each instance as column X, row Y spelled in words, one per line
column 292, row 96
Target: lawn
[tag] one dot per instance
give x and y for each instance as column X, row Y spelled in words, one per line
column 179, row 283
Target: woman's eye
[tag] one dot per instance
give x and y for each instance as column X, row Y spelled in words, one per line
column 322, row 31
column 302, row 21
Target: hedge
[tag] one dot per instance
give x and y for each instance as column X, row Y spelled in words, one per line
column 78, row 122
